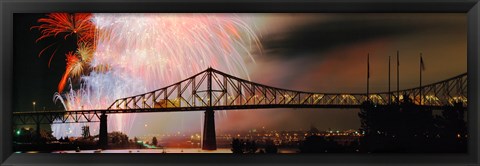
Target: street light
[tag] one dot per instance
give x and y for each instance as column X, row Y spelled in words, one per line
column 34, row 106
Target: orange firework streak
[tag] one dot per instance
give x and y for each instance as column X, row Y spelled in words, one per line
column 78, row 24
column 73, row 63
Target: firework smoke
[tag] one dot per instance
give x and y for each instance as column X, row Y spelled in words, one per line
column 138, row 53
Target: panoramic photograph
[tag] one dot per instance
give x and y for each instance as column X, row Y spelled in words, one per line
column 242, row 83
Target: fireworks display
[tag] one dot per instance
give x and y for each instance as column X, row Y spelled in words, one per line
column 65, row 25
column 120, row 55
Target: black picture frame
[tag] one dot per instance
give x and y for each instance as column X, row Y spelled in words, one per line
column 8, row 7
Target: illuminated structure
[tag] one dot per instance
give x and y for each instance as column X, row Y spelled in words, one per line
column 214, row 90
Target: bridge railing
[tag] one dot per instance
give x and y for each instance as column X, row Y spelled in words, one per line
column 56, row 117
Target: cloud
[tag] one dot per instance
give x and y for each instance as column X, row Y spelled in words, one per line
column 328, row 54
column 322, row 35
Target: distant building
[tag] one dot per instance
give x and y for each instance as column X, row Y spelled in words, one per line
column 345, row 140
column 86, row 131
column 313, row 130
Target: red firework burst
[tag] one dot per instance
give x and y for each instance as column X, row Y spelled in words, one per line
column 67, row 24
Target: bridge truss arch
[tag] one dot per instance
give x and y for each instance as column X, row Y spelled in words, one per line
column 214, row 89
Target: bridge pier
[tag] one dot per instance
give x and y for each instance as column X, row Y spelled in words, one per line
column 209, row 136
column 37, row 132
column 103, row 133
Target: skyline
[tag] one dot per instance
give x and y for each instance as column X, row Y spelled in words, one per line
column 288, row 54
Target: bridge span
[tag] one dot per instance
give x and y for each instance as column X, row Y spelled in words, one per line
column 212, row 90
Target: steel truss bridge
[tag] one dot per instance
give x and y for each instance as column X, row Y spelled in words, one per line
column 212, row 90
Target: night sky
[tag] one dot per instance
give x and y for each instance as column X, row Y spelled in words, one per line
column 33, row 79
column 328, row 53
column 307, row 52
